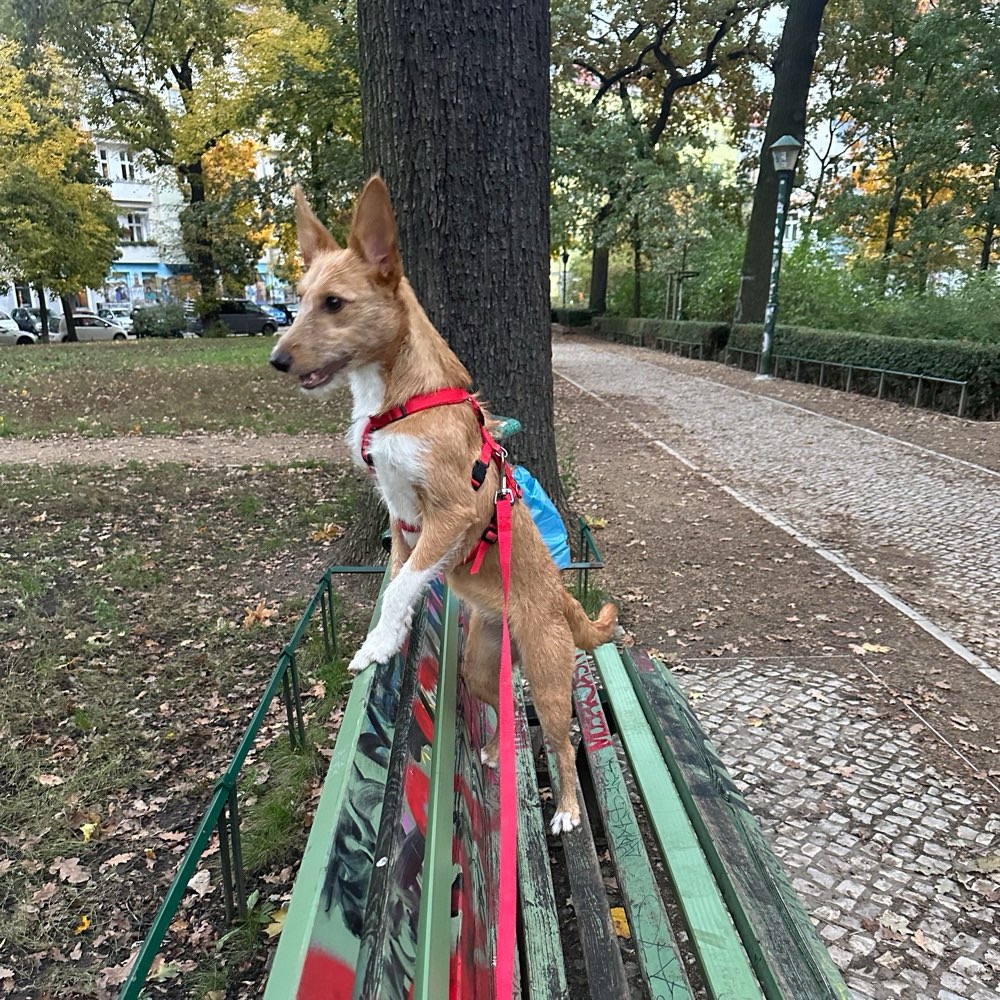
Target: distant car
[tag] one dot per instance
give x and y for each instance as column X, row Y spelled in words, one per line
column 119, row 315
column 11, row 333
column 26, row 320
column 282, row 312
column 91, row 327
column 244, row 316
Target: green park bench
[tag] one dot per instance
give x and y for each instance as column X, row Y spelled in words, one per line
column 396, row 893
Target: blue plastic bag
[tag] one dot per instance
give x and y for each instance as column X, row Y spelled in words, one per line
column 544, row 514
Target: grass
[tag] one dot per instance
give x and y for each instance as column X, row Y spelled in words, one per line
column 154, row 387
column 127, row 674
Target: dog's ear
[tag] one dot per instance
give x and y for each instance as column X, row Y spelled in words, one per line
column 314, row 237
column 373, row 231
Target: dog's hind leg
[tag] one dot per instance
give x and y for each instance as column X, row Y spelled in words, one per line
column 547, row 658
column 481, row 669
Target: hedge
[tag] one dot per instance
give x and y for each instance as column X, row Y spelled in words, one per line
column 573, row 316
column 976, row 364
column 159, row 321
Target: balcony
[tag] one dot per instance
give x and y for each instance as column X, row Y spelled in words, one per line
column 138, row 253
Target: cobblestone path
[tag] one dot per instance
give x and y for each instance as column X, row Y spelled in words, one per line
column 925, row 525
column 896, row 859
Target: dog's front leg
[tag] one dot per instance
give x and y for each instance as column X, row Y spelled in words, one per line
column 433, row 553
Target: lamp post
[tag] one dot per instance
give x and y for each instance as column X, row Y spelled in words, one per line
column 784, row 153
column 565, row 260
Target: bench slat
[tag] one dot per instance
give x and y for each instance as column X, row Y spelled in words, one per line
column 431, row 979
column 601, row 954
column 648, row 922
column 539, row 915
column 720, row 951
column 784, row 949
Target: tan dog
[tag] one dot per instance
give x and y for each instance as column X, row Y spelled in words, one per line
column 358, row 318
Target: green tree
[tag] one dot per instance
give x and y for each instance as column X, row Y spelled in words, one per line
column 58, row 228
column 173, row 79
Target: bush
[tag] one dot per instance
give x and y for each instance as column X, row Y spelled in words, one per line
column 159, row 321
column 573, row 316
column 970, row 312
column 976, row 364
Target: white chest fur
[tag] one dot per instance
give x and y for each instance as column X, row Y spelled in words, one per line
column 398, row 457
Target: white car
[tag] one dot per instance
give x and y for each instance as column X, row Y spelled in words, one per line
column 119, row 315
column 91, row 327
column 11, row 333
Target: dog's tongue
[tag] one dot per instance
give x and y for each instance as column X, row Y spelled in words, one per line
column 321, row 375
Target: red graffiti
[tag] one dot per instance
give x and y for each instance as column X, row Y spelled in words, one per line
column 593, row 724
column 325, row 977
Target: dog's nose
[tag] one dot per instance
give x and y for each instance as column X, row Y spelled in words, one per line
column 281, row 360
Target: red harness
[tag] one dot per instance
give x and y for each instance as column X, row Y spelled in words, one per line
column 499, row 529
column 490, row 452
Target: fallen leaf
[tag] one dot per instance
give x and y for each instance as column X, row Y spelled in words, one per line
column 118, row 859
column 69, row 870
column 48, row 780
column 200, row 883
column 83, row 925
column 260, row 615
column 619, row 922
column 871, row 647
column 88, row 830
column 927, row 944
column 326, row 533
column 277, row 924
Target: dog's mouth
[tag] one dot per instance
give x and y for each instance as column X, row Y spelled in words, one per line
column 320, row 376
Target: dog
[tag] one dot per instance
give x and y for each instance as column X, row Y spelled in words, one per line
column 359, row 321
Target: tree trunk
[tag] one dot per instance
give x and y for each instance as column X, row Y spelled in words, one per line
column 43, row 312
column 636, row 268
column 599, row 280
column 68, row 306
column 793, row 67
column 455, row 105
column 196, row 238
column 989, row 230
column 891, row 222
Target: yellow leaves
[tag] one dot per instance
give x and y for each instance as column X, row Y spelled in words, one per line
column 328, row 532
column 83, row 925
column 88, row 830
column 277, row 924
column 260, row 615
column 620, row 922
column 595, row 522
column 867, row 647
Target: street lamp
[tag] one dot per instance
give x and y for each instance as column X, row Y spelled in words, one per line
column 784, row 153
column 565, row 260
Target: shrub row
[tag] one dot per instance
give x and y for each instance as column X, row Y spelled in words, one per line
column 159, row 321
column 574, row 316
column 977, row 364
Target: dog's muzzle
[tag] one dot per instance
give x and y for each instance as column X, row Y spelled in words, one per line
column 281, row 360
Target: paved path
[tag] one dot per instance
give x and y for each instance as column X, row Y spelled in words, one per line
column 930, row 522
column 897, row 861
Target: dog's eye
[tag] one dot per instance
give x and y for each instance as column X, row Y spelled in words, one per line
column 332, row 303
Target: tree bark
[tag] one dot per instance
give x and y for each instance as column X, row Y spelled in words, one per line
column 43, row 311
column 989, row 229
column 599, row 279
column 793, row 66
column 68, row 306
column 455, row 104
column 636, row 267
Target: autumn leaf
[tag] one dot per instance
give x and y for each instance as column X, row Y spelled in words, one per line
column 69, row 870
column 619, row 922
column 328, row 532
column 872, row 647
column 277, row 924
column 260, row 615
column 88, row 830
column 83, row 925
column 927, row 944
column 595, row 522
column 49, row 780
column 200, row 883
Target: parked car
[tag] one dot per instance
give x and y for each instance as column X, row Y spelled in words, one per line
column 11, row 333
column 119, row 315
column 244, row 316
column 26, row 320
column 282, row 312
column 91, row 327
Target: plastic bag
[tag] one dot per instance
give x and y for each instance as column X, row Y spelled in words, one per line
column 544, row 514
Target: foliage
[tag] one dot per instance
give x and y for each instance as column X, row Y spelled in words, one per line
column 159, row 321
column 58, row 228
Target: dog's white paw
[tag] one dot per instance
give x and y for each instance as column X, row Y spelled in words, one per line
column 377, row 648
column 488, row 756
column 563, row 822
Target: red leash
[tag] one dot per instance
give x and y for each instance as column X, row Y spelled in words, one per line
column 507, row 874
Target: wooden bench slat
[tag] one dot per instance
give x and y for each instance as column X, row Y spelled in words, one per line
column 655, row 945
column 431, row 979
column 601, row 954
column 784, row 949
column 723, row 961
column 539, row 915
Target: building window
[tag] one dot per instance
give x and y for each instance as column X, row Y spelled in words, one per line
column 127, row 164
column 136, row 227
column 102, row 163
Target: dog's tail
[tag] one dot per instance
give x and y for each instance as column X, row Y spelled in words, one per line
column 589, row 634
